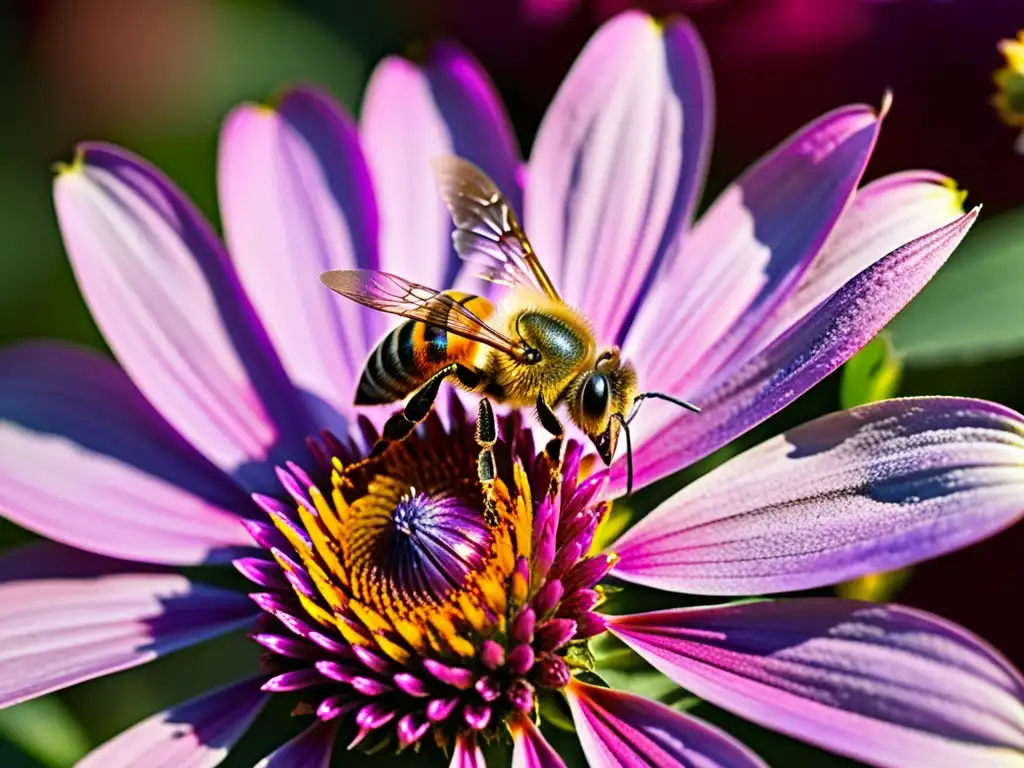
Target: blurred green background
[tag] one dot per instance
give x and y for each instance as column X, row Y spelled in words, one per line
column 158, row 76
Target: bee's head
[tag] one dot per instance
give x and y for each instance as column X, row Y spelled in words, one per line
column 600, row 399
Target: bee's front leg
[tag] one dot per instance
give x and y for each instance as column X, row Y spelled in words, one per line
column 553, row 450
column 418, row 408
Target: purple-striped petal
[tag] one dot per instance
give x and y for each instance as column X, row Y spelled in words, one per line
column 467, row 753
column 871, row 489
column 807, row 353
column 885, row 684
column 167, row 300
column 884, row 215
column 749, row 251
column 593, row 209
column 411, row 114
column 310, row 749
column 530, row 749
column 296, row 200
column 196, row 734
column 87, row 461
column 60, row 631
column 620, row 730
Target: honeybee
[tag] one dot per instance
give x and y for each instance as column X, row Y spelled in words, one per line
column 530, row 349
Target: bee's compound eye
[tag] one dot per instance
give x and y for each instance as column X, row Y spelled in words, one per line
column 595, row 395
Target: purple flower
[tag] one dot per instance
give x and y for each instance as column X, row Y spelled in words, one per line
column 402, row 599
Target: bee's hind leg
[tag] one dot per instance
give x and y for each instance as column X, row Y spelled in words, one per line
column 418, row 408
column 486, row 464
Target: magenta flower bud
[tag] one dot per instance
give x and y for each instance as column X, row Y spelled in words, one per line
column 439, row 709
column 590, row 624
column 457, row 677
column 582, row 501
column 522, row 626
column 566, row 558
column 492, row 655
column 374, row 715
column 269, row 602
column 476, row 716
column 520, row 659
column 521, row 695
column 335, row 706
column 488, row 688
column 579, row 601
column 330, row 644
column 335, row 671
column 265, row 573
column 411, row 684
column 553, row 634
column 410, row 730
column 586, row 574
column 293, row 681
column 369, row 686
column 286, row 646
column 547, row 598
column 264, row 535
column 372, row 660
column 301, row 583
column 552, row 672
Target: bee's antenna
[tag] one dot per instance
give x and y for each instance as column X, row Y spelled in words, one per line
column 658, row 396
column 629, row 453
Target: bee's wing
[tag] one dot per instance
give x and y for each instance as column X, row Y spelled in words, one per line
column 398, row 296
column 486, row 229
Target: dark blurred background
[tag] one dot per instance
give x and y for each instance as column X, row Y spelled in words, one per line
column 158, row 76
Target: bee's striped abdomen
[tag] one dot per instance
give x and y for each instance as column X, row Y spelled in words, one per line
column 412, row 353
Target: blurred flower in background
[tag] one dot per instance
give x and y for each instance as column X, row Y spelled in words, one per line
column 1009, row 101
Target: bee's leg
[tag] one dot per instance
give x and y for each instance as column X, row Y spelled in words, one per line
column 550, row 422
column 418, row 408
column 486, row 465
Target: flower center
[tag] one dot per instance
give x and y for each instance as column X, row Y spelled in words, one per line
column 410, row 591
column 435, row 543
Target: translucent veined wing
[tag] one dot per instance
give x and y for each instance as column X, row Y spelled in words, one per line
column 398, row 296
column 486, row 229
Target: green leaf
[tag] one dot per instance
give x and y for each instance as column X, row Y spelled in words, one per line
column 650, row 684
column 973, row 310
column 46, row 730
column 554, row 710
column 872, row 374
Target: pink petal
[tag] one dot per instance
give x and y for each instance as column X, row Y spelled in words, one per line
column 196, row 734
column 530, row 748
column 310, row 749
column 87, row 461
column 872, row 489
column 618, row 162
column 411, row 114
column 749, row 251
column 60, row 631
column 163, row 292
column 296, row 200
column 817, row 345
column 620, row 730
column 888, row 685
column 884, row 215
column 467, row 753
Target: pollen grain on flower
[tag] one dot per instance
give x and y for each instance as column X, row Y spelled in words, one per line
column 421, row 598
